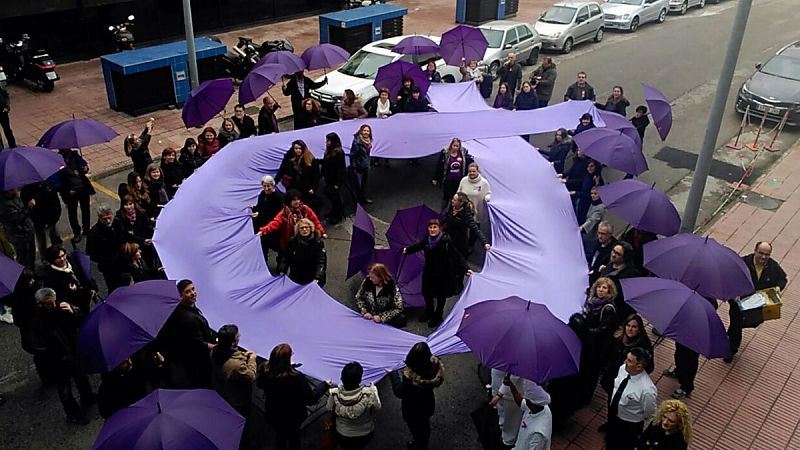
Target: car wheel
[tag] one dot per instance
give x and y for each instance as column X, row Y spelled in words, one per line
column 493, row 69
column 662, row 16
column 567, row 46
column 533, row 57
column 599, row 36
column 684, row 8
column 702, row 4
column 634, row 25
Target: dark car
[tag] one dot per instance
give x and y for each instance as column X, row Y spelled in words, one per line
column 774, row 88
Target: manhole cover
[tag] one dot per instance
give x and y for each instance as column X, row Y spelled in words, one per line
column 762, row 201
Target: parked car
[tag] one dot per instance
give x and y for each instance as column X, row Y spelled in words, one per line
column 774, row 88
column 629, row 14
column 358, row 74
column 568, row 23
column 683, row 5
column 504, row 37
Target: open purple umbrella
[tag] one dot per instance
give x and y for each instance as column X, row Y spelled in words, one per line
column 290, row 62
column 679, row 313
column 660, row 109
column 612, row 148
column 25, row 165
column 462, row 44
column 409, row 226
column 259, row 80
column 641, row 205
column 391, row 77
column 618, row 122
column 324, row 56
column 520, row 337
column 416, row 45
column 206, row 101
column 10, row 271
column 407, row 273
column 701, row 263
column 197, row 419
column 77, row 133
column 125, row 322
column 362, row 244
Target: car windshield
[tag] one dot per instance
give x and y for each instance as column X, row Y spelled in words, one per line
column 784, row 67
column 365, row 64
column 626, row 2
column 495, row 37
column 558, row 14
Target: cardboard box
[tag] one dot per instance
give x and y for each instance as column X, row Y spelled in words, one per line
column 771, row 310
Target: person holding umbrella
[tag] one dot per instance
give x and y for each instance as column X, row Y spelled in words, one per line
column 431, row 73
column 299, row 88
column 379, row 299
column 632, row 402
column 234, row 372
column 138, row 147
column 267, row 121
column 451, row 168
column 76, row 189
column 415, row 103
column 123, row 386
column 536, row 428
column 59, row 275
column 640, row 120
column 15, row 218
column 470, row 72
column 620, row 265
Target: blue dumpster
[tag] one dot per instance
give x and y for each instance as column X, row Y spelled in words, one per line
column 476, row 12
column 353, row 28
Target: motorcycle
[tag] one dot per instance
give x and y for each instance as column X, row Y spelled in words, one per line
column 23, row 63
column 245, row 55
column 351, row 4
column 123, row 34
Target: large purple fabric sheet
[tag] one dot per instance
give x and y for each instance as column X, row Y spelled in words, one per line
column 536, row 253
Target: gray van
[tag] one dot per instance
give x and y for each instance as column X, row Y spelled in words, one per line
column 568, row 23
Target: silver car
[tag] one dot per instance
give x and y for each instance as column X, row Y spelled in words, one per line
column 683, row 5
column 504, row 37
column 568, row 23
column 629, row 14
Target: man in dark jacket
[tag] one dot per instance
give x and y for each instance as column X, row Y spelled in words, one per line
column 123, row 386
column 243, row 122
column 580, row 90
column 511, row 72
column 598, row 251
column 15, row 217
column 544, row 79
column 299, row 88
column 54, row 338
column 267, row 121
column 5, row 108
column 45, row 213
column 103, row 244
column 188, row 341
column 76, row 189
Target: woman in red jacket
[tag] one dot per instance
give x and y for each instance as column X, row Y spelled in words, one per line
column 207, row 143
column 285, row 221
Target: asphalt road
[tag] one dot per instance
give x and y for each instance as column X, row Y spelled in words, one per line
column 681, row 57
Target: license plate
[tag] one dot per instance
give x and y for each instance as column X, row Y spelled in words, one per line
column 51, row 75
column 769, row 110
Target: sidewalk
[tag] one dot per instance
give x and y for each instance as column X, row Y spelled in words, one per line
column 81, row 92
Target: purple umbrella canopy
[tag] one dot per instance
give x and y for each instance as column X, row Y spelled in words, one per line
column 206, row 101
column 407, row 273
column 259, row 81
column 77, row 133
column 10, row 271
column 701, row 263
column 409, row 226
column 324, row 56
column 612, row 148
column 463, row 44
column 642, row 206
column 124, row 322
column 362, row 245
column 520, row 337
column 290, row 62
column 679, row 313
column 618, row 122
column 391, row 77
column 660, row 109
column 25, row 165
column 84, row 267
column 416, row 45
column 197, row 419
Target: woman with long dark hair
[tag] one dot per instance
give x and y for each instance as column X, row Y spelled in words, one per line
column 630, row 335
column 351, row 107
column 616, row 102
column 559, row 149
column 171, row 170
column 300, row 171
column 451, row 167
column 334, row 172
column 140, row 194
column 459, row 223
column 207, row 143
column 233, row 374
column 593, row 178
column 360, row 150
column 504, row 99
column 154, row 181
column 309, row 114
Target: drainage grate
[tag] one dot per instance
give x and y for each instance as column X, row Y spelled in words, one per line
column 677, row 158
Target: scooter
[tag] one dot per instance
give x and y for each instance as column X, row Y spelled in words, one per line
column 123, row 34
column 245, row 55
column 22, row 63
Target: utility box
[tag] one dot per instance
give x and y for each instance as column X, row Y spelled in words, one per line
column 151, row 78
column 354, row 28
column 477, row 12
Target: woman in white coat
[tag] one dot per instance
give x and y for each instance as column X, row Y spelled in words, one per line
column 479, row 193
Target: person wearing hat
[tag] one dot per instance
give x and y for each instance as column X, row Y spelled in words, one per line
column 508, row 411
column 536, row 428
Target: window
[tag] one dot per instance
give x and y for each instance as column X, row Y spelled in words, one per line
column 524, row 33
column 594, row 10
column 583, row 15
column 511, row 37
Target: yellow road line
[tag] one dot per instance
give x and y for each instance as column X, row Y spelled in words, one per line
column 105, row 190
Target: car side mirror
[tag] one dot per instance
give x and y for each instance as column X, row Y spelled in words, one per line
column 507, row 46
column 758, row 66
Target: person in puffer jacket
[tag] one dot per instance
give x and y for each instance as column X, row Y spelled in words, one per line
column 354, row 405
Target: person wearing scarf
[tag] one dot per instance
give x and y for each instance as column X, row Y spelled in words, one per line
column 600, row 318
column 629, row 335
column 233, row 374
column 594, row 215
column 60, row 275
column 459, row 224
column 478, row 191
column 504, row 98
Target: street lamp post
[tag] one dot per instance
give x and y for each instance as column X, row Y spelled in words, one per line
column 190, row 51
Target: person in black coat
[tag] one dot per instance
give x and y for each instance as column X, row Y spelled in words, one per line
column 190, row 158
column 171, row 171
column 76, row 189
column 54, row 339
column 670, row 429
column 640, row 120
column 304, row 259
column 526, row 100
column 187, row 340
column 638, row 238
column 132, row 263
column 443, row 273
column 583, row 195
column 138, row 148
column 451, row 167
column 620, row 265
column 300, row 171
column 415, row 103
column 309, row 115
column 60, row 275
column 598, row 250
column 267, row 120
column 504, row 98
column 132, row 225
column 629, row 335
column 123, row 386
column 270, row 203
column 511, row 73
column 286, row 395
column 600, row 321
column 45, row 213
column 299, row 88
column 580, row 90
column 616, row 103
column 459, row 222
column 243, row 122
column 5, row 123
column 103, row 245
column 334, row 171
column 559, row 149
column 431, row 73
column 414, row 386
column 576, row 173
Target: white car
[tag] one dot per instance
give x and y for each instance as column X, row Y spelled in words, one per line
column 359, row 72
column 682, row 5
column 629, row 14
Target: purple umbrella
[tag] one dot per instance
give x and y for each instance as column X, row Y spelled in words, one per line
column 679, row 313
column 416, row 45
column 124, row 322
column 612, row 148
column 25, row 165
column 198, row 419
column 324, row 56
column 84, row 264
column 391, row 77
column 409, row 226
column 615, row 121
column 290, row 62
column 660, row 109
column 362, row 244
column 258, row 81
column 10, row 271
column 520, row 337
column 77, row 133
column 462, row 44
column 701, row 263
column 641, row 206
column 407, row 273
column 206, row 101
